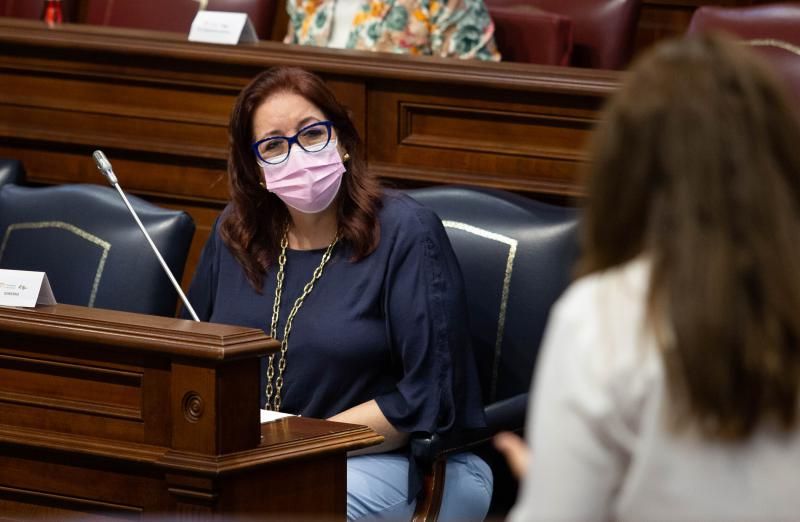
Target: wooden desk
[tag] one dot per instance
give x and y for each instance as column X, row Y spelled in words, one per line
column 112, row 414
column 159, row 107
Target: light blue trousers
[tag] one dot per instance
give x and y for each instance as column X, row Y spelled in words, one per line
column 377, row 488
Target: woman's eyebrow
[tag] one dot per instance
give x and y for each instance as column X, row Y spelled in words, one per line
column 277, row 132
column 307, row 120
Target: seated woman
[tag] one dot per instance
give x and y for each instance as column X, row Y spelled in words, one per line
column 455, row 28
column 361, row 287
column 668, row 387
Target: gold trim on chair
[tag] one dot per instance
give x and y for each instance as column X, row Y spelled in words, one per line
column 105, row 245
column 770, row 42
column 501, row 320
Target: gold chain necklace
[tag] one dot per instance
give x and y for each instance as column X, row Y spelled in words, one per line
column 275, row 403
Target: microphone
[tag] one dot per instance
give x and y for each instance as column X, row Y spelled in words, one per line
column 104, row 166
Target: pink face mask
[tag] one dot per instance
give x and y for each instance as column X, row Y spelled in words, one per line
column 307, row 181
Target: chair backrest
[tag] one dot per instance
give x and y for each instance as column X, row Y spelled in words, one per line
column 176, row 15
column 773, row 30
column 11, row 171
column 516, row 256
column 94, row 255
column 602, row 30
column 526, row 34
column 35, row 9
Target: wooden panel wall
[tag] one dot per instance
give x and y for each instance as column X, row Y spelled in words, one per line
column 159, row 106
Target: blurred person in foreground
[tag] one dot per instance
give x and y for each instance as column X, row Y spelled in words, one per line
column 669, row 379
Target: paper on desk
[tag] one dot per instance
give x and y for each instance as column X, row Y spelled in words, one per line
column 269, row 415
column 25, row 288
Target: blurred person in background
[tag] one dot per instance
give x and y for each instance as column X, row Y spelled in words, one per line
column 450, row 28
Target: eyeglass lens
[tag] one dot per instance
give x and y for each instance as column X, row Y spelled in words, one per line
column 313, row 138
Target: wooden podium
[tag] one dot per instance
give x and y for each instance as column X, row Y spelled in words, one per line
column 109, row 415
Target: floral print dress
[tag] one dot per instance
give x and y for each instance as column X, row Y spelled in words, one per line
column 453, row 28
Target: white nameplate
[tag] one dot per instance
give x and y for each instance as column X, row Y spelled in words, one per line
column 269, row 415
column 221, row 27
column 24, row 288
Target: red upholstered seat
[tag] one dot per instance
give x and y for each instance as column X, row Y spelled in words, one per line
column 602, row 30
column 22, row 8
column 773, row 30
column 527, row 34
column 175, row 15
column 34, row 9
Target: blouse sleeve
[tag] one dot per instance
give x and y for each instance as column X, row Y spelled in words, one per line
column 437, row 386
column 462, row 29
column 204, row 281
column 578, row 435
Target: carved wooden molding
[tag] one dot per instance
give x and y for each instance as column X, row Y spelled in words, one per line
column 147, row 333
column 409, row 135
column 319, row 439
column 65, row 505
column 104, row 41
column 193, row 406
column 488, row 179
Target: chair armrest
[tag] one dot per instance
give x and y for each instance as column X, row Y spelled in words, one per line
column 427, row 448
column 508, row 414
column 505, row 415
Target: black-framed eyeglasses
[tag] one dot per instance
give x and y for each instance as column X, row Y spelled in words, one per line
column 311, row 138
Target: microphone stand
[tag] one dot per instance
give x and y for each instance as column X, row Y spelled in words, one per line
column 105, row 168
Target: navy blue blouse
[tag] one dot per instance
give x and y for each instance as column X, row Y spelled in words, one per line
column 391, row 327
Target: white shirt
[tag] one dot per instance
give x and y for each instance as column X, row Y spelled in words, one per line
column 343, row 13
column 597, row 426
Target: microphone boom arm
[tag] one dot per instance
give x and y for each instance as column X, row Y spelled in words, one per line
column 105, row 167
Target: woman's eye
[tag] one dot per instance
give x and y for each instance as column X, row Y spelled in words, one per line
column 271, row 145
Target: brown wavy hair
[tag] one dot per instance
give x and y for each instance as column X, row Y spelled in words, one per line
column 254, row 223
column 697, row 166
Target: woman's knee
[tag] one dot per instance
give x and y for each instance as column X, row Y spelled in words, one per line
column 468, row 489
column 377, row 488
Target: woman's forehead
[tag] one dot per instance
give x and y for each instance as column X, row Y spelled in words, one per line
column 282, row 113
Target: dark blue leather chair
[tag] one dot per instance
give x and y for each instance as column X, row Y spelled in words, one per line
column 516, row 256
column 11, row 171
column 93, row 252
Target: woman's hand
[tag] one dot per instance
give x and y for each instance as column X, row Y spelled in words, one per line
column 515, row 451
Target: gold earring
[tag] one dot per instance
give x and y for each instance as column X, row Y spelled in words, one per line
column 263, row 185
column 346, row 156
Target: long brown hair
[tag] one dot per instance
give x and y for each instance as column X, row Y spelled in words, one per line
column 697, row 166
column 253, row 226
